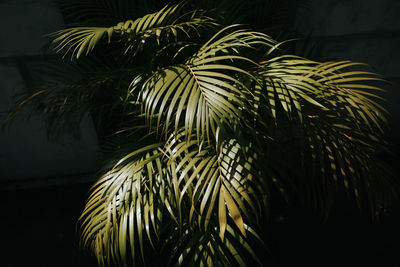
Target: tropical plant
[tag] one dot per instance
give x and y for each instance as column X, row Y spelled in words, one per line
column 201, row 120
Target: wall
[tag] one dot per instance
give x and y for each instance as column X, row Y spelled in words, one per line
column 27, row 157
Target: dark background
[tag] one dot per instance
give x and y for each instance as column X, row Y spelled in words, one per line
column 44, row 184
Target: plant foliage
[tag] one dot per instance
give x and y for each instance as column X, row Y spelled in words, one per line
column 203, row 120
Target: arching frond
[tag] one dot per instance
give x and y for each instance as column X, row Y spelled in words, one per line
column 350, row 90
column 201, row 98
column 162, row 24
column 206, row 92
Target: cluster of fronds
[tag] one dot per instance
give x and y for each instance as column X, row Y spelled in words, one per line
column 206, row 121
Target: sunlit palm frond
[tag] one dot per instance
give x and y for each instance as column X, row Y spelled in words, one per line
column 125, row 206
column 350, row 90
column 206, row 92
column 218, row 182
column 286, row 81
column 327, row 85
column 162, row 24
column 194, row 96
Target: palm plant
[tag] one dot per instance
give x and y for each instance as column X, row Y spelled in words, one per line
column 201, row 120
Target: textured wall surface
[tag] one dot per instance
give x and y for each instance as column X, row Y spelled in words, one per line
column 359, row 30
column 341, row 17
column 26, row 155
column 28, row 21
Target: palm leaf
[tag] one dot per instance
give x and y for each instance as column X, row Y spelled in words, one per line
column 165, row 22
column 194, row 248
column 126, row 204
column 216, row 183
column 341, row 129
column 70, row 90
column 206, row 92
column 294, row 79
column 340, row 158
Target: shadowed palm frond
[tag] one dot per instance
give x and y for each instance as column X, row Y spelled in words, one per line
column 341, row 159
column 339, row 124
column 194, row 248
column 67, row 91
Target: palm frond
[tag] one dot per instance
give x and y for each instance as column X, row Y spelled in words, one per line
column 326, row 85
column 217, row 183
column 126, row 205
column 194, row 248
column 206, row 92
column 70, row 90
column 162, row 24
column 341, row 159
column 201, row 128
column 340, row 125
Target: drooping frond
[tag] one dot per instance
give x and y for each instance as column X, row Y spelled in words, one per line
column 326, row 85
column 340, row 125
column 349, row 90
column 126, row 205
column 217, row 183
column 342, row 159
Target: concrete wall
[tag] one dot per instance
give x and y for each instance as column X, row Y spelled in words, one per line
column 26, row 156
column 359, row 30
